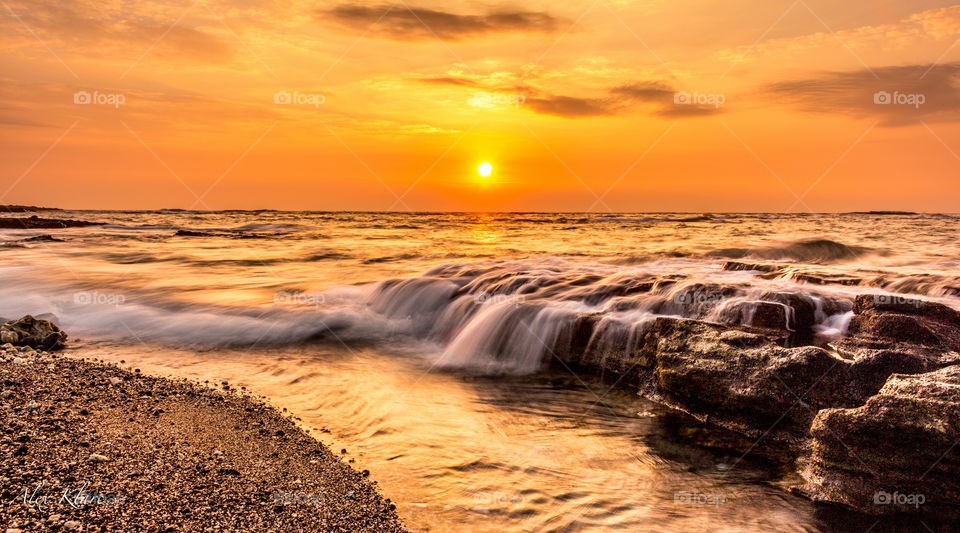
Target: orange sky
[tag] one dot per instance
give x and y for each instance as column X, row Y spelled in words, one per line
column 578, row 106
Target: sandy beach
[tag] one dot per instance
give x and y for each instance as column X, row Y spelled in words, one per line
column 89, row 446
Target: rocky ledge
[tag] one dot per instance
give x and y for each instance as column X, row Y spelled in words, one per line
column 871, row 418
column 92, row 447
column 35, row 222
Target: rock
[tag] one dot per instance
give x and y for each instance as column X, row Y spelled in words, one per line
column 98, row 458
column 901, row 334
column 42, row 238
column 741, row 266
column 191, row 233
column 767, row 315
column 892, row 452
column 31, row 405
column 34, row 333
column 115, row 381
column 71, row 524
column 19, row 360
column 739, row 379
column 36, row 222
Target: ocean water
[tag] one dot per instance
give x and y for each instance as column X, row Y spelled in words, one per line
column 423, row 342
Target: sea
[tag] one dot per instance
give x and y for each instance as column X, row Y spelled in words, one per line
column 425, row 344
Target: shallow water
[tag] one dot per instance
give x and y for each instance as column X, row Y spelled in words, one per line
column 460, row 452
column 421, row 343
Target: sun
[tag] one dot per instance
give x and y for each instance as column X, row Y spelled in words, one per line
column 485, row 169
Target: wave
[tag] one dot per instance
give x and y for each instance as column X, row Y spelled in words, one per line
column 807, row 251
column 487, row 316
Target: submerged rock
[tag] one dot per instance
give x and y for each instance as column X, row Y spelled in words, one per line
column 35, row 222
column 740, row 379
column 33, row 332
column 896, row 453
column 890, row 334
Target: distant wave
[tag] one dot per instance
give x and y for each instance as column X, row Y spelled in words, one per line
column 807, row 251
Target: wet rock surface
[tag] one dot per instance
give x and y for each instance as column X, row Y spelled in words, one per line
column 896, row 453
column 35, row 222
column 33, row 332
column 92, row 447
column 739, row 379
column 878, row 408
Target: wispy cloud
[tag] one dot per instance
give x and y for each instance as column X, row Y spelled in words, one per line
column 657, row 97
column 412, row 23
column 925, row 93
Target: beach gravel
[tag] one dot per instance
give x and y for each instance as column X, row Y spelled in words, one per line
column 92, row 447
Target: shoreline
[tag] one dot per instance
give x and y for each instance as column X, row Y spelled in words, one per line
column 93, row 447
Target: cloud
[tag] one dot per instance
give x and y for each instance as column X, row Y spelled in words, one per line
column 656, row 96
column 449, row 80
column 922, row 34
column 925, row 93
column 572, row 107
column 401, row 22
column 81, row 28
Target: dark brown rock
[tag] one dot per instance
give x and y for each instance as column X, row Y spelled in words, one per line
column 35, row 222
column 740, row 379
column 33, row 332
column 896, row 453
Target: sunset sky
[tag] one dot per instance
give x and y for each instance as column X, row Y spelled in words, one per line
column 578, row 106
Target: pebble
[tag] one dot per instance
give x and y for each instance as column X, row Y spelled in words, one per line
column 32, row 405
column 71, row 524
column 97, row 458
column 115, row 381
column 19, row 360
